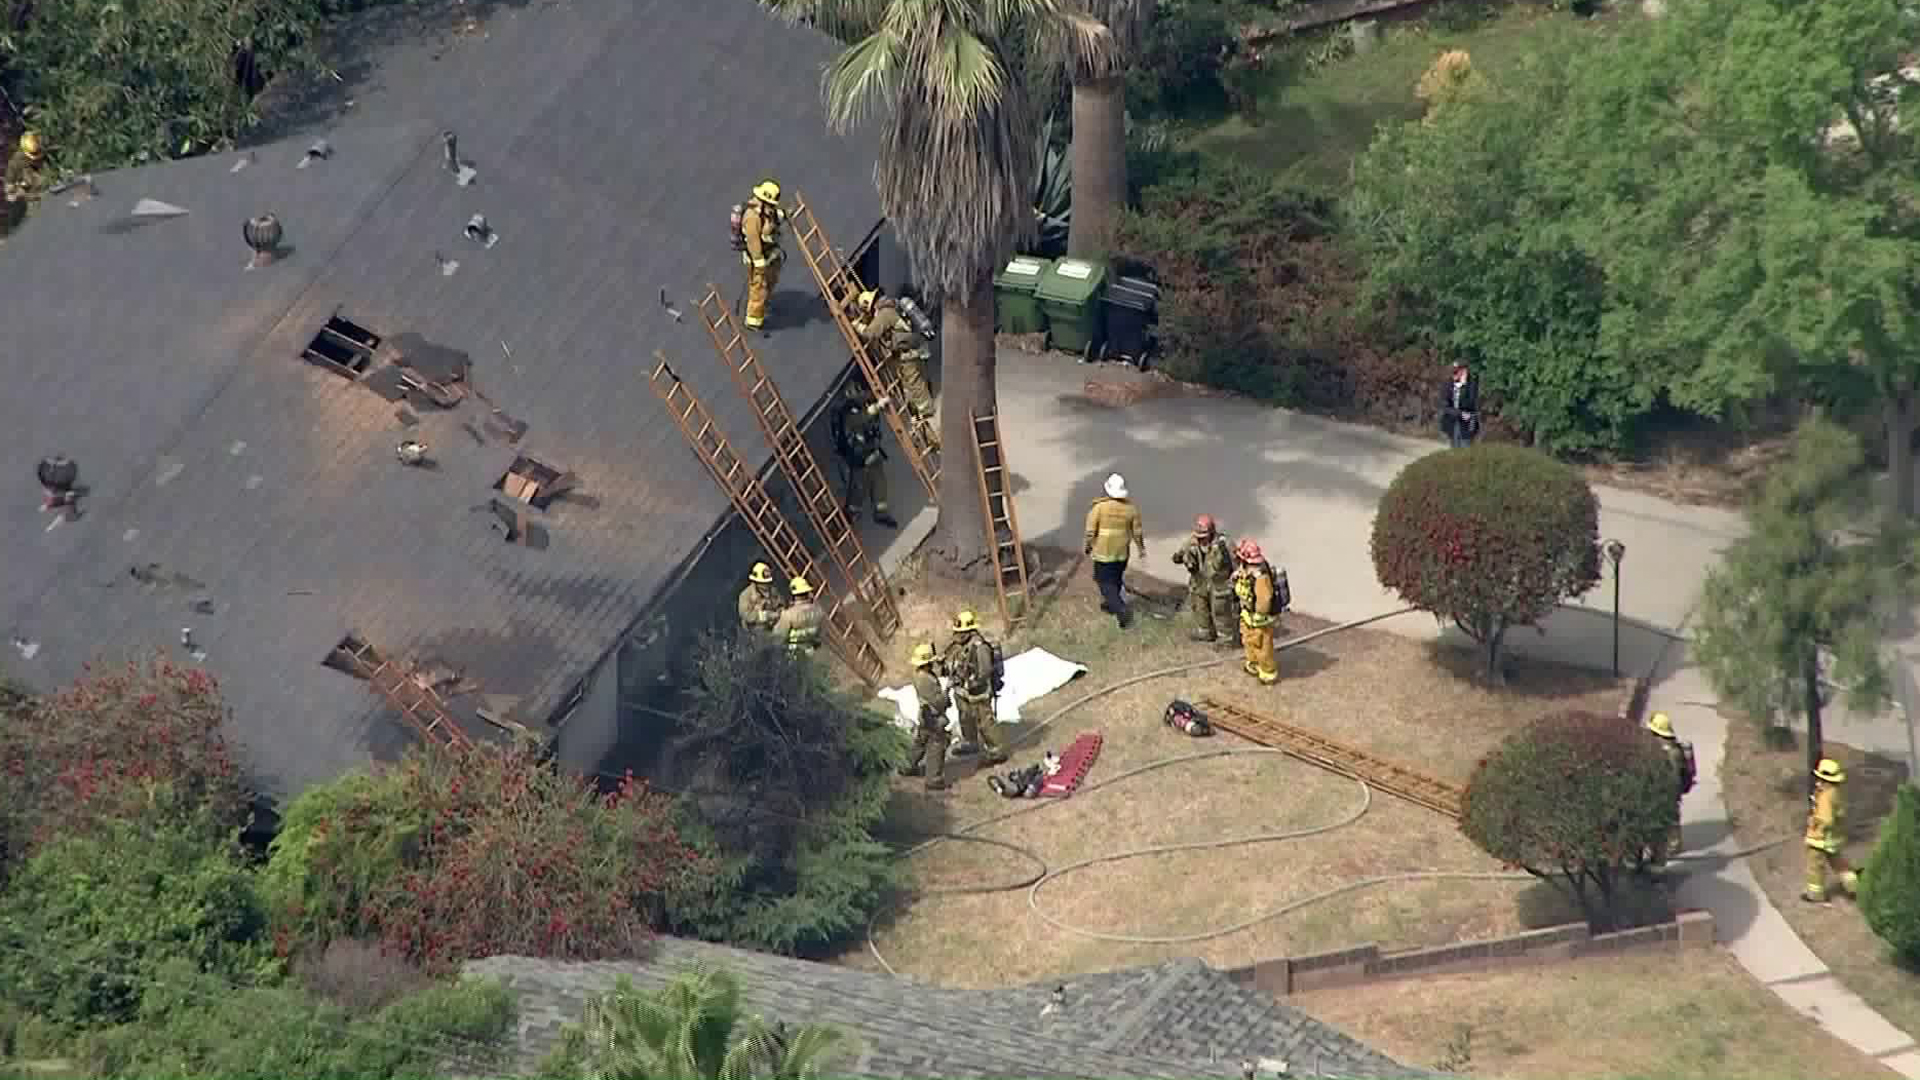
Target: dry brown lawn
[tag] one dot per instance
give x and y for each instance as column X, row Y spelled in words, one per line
column 1765, row 786
column 1691, row 1013
column 1400, row 699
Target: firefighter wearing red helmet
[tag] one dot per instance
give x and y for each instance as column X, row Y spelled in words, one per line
column 1208, row 559
column 1257, row 589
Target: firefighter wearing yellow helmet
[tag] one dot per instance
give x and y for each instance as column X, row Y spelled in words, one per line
column 973, row 666
column 896, row 348
column 930, row 736
column 760, row 603
column 25, row 167
column 1679, row 754
column 760, row 222
column 1825, row 820
column 799, row 624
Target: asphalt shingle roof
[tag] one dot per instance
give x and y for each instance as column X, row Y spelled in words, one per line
column 610, row 137
column 1177, row 1020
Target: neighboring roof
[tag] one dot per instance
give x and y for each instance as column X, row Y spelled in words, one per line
column 1177, row 1020
column 610, row 137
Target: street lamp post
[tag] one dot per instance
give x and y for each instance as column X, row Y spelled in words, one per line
column 1616, row 551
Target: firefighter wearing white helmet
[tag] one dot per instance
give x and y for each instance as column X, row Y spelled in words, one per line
column 895, row 347
column 973, row 665
column 1825, row 821
column 759, row 242
column 1113, row 522
column 930, row 736
column 799, row 625
column 760, row 603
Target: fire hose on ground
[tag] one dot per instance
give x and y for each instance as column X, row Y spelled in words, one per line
column 1046, row 875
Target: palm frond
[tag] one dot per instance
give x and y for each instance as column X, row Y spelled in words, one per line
column 861, row 79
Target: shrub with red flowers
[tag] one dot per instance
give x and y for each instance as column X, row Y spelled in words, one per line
column 122, row 736
column 1575, row 799
column 1490, row 537
column 454, row 855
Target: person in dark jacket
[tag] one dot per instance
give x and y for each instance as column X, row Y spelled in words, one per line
column 1460, row 407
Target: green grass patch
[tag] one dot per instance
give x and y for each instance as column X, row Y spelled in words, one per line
column 1317, row 118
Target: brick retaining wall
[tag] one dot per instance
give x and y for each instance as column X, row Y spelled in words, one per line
column 1555, row 944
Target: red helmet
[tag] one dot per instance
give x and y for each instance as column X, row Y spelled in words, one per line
column 1249, row 552
column 1203, row 525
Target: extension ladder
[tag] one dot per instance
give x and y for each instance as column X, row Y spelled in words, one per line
column 393, row 682
column 1003, row 524
column 796, row 459
column 841, row 287
column 784, row 547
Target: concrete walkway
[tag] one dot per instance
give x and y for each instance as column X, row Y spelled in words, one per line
column 1306, row 488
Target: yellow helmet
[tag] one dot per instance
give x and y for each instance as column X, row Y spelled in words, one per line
column 30, row 145
column 1830, row 771
column 767, row 192
column 922, row 654
column 762, row 574
column 799, row 587
column 965, row 622
column 1660, row 725
column 867, row 298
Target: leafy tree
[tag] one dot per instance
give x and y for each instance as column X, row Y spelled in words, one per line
column 1801, row 585
column 1573, row 799
column 786, row 780
column 694, row 1028
column 87, row 921
column 1490, row 537
column 1459, row 235
column 1890, row 883
column 1179, row 65
column 1098, row 66
column 955, row 178
column 453, row 856
column 118, row 739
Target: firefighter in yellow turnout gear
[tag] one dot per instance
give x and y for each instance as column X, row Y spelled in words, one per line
column 894, row 346
column 969, row 665
column 799, row 625
column 1680, row 755
column 760, row 223
column 1260, row 601
column 1824, row 832
column 759, row 605
column 1208, row 560
column 930, row 737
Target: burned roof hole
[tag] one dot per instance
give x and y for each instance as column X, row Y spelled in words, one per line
column 352, row 656
column 343, row 347
column 534, row 483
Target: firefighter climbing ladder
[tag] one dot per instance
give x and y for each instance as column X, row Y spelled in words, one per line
column 782, row 544
column 1334, row 757
column 1003, row 524
column 797, row 461
column 841, row 286
column 394, row 682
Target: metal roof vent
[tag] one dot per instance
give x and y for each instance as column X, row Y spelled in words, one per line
column 263, row 234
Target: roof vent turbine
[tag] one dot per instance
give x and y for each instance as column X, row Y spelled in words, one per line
column 263, row 235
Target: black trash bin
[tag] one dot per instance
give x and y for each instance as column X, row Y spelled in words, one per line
column 1133, row 308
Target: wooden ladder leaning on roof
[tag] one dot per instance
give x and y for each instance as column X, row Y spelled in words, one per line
column 419, row 706
column 783, row 545
column 796, row 460
column 842, row 287
column 1002, row 523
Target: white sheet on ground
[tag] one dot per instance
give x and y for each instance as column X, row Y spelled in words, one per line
column 1033, row 674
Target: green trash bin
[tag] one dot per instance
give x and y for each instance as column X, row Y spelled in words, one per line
column 1015, row 310
column 1069, row 296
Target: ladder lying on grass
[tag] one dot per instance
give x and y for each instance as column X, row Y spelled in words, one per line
column 784, row 547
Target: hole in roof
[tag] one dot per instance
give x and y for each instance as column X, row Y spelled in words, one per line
column 533, row 482
column 343, row 347
column 352, row 656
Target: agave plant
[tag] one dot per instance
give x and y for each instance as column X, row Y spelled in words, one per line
column 1052, row 193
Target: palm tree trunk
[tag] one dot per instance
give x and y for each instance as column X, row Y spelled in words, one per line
column 1099, row 165
column 1900, row 422
column 967, row 365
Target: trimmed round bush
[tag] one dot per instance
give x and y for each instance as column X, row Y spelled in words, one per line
column 1574, row 799
column 1491, row 537
column 1890, row 882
